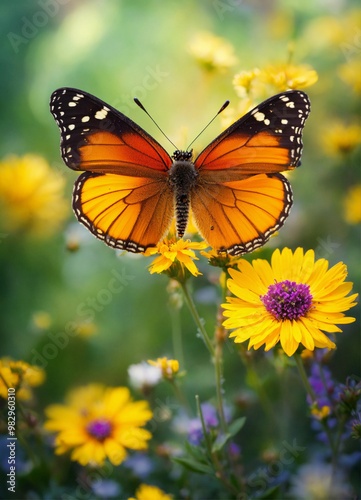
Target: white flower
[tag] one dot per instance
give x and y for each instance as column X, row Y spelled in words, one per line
column 143, row 375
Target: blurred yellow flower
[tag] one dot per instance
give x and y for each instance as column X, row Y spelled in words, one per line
column 289, row 76
column 339, row 138
column 350, row 73
column 213, row 53
column 169, row 367
column 290, row 301
column 41, row 320
column 339, row 32
column 352, row 205
column 175, row 255
column 20, row 376
column 99, row 422
column 31, row 195
column 247, row 83
column 321, row 413
column 147, row 492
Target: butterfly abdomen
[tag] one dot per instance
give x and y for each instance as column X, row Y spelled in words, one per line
column 182, row 178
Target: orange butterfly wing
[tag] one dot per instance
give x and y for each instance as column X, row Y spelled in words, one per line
column 124, row 197
column 240, row 199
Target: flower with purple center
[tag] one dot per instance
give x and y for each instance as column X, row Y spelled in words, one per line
column 293, row 300
column 99, row 428
column 287, row 300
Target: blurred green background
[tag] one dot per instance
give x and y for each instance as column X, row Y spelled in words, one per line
column 54, row 281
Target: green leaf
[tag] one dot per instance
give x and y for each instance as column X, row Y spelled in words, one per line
column 220, row 442
column 193, row 465
column 236, row 426
column 196, row 452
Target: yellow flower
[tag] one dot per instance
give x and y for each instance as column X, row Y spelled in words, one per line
column 99, row 422
column 340, row 138
column 20, row 376
column 147, row 492
column 350, row 73
column 174, row 256
column 352, row 205
column 213, row 53
column 289, row 301
column 169, row 367
column 247, row 83
column 220, row 259
column 41, row 320
column 31, row 195
column 290, row 76
column 321, row 413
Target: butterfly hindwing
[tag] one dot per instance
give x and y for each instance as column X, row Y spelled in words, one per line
column 127, row 212
column 240, row 216
column 123, row 197
column 240, row 198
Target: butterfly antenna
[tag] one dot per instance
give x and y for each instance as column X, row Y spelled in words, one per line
column 215, row 116
column 137, row 101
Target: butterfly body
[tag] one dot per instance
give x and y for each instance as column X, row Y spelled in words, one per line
column 182, row 179
column 131, row 188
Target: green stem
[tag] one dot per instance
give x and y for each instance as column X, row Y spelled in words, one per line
column 312, row 395
column 218, row 368
column 197, row 319
column 177, row 335
column 181, row 397
column 213, row 456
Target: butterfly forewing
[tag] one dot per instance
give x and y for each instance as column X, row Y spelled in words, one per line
column 240, row 199
column 268, row 139
column 124, row 197
column 97, row 137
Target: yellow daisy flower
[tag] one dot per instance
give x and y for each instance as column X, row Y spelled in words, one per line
column 99, row 422
column 174, row 257
column 212, row 52
column 290, row 301
column 290, row 76
column 340, row 138
column 352, row 205
column 31, row 195
column 169, row 367
column 20, row 376
column 147, row 492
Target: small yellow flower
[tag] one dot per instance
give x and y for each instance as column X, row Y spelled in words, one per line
column 220, row 259
column 147, row 492
column 321, row 413
column 289, row 76
column 213, row 53
column 350, row 73
column 290, row 301
column 340, row 138
column 247, row 83
column 41, row 320
column 99, row 422
column 31, row 195
column 20, row 376
column 352, row 205
column 169, row 367
column 174, row 256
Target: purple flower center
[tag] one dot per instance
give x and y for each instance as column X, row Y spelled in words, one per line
column 287, row 300
column 99, row 428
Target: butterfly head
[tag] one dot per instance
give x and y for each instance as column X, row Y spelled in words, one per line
column 182, row 155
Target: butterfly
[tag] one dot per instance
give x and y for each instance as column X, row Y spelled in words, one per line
column 131, row 188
